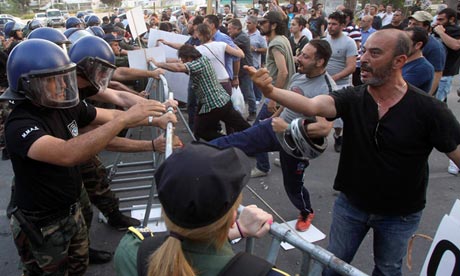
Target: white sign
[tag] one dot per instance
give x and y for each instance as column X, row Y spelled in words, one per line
column 313, row 234
column 136, row 22
column 444, row 255
column 138, row 58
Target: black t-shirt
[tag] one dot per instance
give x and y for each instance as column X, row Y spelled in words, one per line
column 453, row 56
column 383, row 163
column 42, row 186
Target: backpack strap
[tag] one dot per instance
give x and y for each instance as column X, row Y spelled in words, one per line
column 245, row 264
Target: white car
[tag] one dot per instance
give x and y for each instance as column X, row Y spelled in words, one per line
column 41, row 16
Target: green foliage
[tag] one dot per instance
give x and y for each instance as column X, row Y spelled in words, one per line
column 112, row 3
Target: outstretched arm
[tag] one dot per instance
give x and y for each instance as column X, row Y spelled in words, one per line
column 322, row 105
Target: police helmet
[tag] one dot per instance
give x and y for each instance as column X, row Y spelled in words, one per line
column 80, row 14
column 50, row 34
column 47, row 80
column 85, row 19
column 96, row 30
column 72, row 22
column 93, row 20
column 11, row 27
column 296, row 142
column 74, row 34
column 34, row 24
column 95, row 60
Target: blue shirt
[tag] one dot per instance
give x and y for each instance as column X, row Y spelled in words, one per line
column 419, row 73
column 229, row 59
column 364, row 36
column 435, row 53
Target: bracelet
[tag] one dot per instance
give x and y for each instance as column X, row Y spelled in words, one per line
column 153, row 145
column 239, row 229
column 150, row 120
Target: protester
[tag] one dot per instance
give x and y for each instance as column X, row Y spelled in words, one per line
column 214, row 102
column 263, row 137
column 382, row 174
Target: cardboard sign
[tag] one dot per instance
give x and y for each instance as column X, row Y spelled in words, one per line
column 444, row 255
column 136, row 22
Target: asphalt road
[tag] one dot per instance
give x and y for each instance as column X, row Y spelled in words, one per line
column 442, row 192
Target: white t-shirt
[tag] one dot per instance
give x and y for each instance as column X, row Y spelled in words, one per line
column 215, row 51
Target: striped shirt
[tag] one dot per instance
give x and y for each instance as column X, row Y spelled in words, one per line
column 207, row 88
column 353, row 32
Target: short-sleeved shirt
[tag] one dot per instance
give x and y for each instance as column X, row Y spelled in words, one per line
column 281, row 44
column 242, row 40
column 453, row 56
column 419, row 73
column 383, row 163
column 42, row 186
column 229, row 59
column 435, row 53
column 215, row 51
column 257, row 41
column 207, row 88
column 342, row 48
column 308, row 87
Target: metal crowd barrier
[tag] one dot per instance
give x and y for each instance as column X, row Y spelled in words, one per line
column 315, row 258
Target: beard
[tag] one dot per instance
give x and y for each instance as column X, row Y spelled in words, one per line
column 379, row 76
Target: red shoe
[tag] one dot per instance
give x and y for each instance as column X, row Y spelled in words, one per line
column 303, row 223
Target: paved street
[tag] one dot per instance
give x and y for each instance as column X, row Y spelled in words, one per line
column 443, row 190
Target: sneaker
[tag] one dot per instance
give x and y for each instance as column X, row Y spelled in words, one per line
column 258, row 173
column 338, row 143
column 99, row 256
column 251, row 117
column 303, row 223
column 121, row 222
column 277, row 162
column 452, row 169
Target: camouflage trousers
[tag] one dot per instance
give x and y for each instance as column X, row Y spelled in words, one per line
column 64, row 250
column 97, row 185
column 5, row 110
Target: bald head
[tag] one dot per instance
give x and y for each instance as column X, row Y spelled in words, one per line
column 397, row 41
column 366, row 22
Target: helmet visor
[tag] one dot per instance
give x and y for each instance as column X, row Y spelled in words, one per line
column 52, row 90
column 97, row 71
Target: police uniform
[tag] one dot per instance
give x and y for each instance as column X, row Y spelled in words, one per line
column 48, row 195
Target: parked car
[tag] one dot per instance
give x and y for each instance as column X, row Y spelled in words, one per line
column 54, row 18
column 3, row 15
column 41, row 16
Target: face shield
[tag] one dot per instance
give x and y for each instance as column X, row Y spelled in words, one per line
column 97, row 71
column 56, row 89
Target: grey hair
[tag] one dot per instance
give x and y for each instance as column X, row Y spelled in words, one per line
column 253, row 19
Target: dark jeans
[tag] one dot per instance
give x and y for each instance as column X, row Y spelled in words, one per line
column 205, row 124
column 248, row 93
column 263, row 163
column 261, row 138
column 191, row 105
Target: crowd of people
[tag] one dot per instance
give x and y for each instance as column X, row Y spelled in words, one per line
column 380, row 80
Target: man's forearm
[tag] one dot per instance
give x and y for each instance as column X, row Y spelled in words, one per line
column 436, row 79
column 120, row 144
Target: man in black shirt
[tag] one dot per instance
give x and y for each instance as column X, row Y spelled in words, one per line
column 392, row 127
column 42, row 136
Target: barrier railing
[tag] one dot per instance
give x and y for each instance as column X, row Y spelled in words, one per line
column 315, row 258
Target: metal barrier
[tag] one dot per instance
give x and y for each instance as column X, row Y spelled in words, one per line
column 315, row 258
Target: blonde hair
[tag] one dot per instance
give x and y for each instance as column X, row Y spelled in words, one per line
column 169, row 259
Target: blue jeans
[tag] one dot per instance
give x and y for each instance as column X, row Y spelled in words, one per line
column 391, row 236
column 246, row 90
column 261, row 138
column 444, row 88
column 263, row 162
